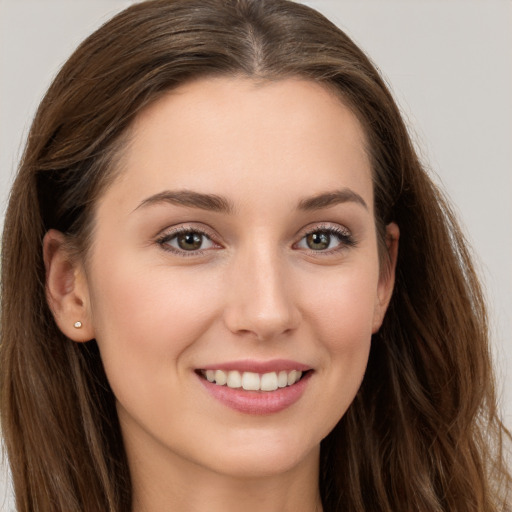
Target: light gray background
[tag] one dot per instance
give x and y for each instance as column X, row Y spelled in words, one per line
column 449, row 64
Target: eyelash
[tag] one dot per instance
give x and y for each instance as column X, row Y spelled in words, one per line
column 346, row 240
column 164, row 240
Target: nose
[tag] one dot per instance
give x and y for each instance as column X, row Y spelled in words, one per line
column 261, row 303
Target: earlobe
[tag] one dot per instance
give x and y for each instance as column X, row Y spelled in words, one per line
column 387, row 276
column 66, row 288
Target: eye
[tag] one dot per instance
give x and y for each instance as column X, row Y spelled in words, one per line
column 186, row 240
column 326, row 240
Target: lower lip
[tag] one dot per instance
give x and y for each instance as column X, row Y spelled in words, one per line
column 258, row 402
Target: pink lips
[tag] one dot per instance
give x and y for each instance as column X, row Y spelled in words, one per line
column 246, row 365
column 258, row 402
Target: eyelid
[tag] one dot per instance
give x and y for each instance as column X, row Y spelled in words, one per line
column 170, row 232
column 346, row 239
column 324, row 226
column 344, row 234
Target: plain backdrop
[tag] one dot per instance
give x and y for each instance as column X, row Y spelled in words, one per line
column 448, row 63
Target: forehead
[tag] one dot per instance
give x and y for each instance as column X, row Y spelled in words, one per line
column 291, row 135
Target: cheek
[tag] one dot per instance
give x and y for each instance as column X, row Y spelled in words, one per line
column 135, row 296
column 342, row 306
column 341, row 311
column 145, row 320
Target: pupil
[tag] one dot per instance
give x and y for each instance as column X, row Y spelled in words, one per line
column 190, row 241
column 319, row 240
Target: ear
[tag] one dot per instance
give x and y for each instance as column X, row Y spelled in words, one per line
column 387, row 276
column 66, row 288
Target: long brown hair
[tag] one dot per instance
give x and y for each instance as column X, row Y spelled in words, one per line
column 422, row 434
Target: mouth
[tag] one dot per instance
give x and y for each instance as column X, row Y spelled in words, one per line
column 252, row 381
column 257, row 388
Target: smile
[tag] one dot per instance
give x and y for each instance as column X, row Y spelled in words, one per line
column 251, row 381
column 257, row 388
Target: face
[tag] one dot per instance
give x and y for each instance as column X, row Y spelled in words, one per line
column 238, row 243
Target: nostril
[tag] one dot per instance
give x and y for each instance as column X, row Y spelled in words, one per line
column 262, row 304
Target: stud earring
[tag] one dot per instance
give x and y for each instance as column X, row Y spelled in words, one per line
column 78, row 325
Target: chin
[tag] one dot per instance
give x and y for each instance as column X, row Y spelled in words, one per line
column 264, row 458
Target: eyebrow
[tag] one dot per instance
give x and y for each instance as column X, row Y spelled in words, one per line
column 327, row 199
column 211, row 202
column 216, row 203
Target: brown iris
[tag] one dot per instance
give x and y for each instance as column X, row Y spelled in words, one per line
column 318, row 240
column 190, row 241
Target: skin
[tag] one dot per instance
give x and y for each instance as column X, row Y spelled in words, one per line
column 255, row 291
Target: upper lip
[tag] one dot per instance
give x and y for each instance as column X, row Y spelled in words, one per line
column 249, row 365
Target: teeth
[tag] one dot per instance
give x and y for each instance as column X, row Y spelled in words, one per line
column 251, row 381
column 293, row 377
column 282, row 379
column 220, row 377
column 234, row 380
column 268, row 382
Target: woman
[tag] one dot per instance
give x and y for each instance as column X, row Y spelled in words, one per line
column 219, row 227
